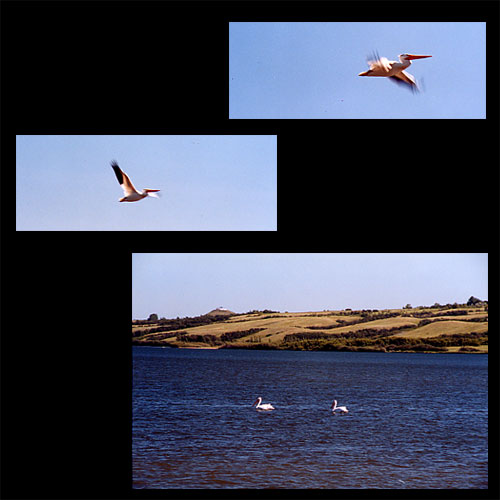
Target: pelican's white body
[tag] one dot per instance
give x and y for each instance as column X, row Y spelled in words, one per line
column 343, row 409
column 265, row 406
column 129, row 190
column 381, row 66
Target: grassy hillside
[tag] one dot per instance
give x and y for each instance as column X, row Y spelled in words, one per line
column 459, row 328
column 447, row 327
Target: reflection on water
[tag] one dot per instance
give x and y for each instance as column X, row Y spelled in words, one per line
column 415, row 420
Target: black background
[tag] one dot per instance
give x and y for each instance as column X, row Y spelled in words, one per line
column 162, row 68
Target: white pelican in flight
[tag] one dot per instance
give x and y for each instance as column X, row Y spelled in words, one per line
column 260, row 406
column 381, row 66
column 343, row 409
column 131, row 193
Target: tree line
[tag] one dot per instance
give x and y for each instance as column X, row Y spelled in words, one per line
column 387, row 344
column 180, row 323
column 362, row 333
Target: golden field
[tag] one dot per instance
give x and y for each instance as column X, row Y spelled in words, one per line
column 263, row 329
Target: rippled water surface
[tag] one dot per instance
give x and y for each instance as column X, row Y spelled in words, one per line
column 414, row 421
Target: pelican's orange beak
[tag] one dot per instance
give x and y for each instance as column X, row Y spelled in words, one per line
column 411, row 56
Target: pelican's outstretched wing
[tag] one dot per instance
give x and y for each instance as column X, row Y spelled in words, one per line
column 404, row 78
column 380, row 63
column 123, row 180
column 379, row 66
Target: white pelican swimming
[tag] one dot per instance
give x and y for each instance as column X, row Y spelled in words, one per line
column 131, row 193
column 343, row 409
column 265, row 406
column 381, row 66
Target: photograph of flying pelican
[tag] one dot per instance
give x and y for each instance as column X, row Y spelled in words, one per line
column 381, row 66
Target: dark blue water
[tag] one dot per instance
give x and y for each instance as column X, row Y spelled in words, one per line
column 414, row 421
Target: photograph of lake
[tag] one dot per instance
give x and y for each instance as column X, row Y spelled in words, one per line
column 415, row 420
column 299, row 390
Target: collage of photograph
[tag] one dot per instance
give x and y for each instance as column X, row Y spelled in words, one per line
column 252, row 249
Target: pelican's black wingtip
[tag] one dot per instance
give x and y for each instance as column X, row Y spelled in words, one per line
column 411, row 86
column 118, row 171
column 374, row 56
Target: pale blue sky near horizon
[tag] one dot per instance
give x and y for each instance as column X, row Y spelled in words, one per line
column 191, row 284
column 207, row 182
column 310, row 70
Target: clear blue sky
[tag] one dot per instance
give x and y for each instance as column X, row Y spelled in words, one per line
column 310, row 70
column 207, row 182
column 181, row 285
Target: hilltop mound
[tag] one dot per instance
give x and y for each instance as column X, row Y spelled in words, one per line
column 220, row 311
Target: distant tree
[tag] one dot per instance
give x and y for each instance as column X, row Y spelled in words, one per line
column 473, row 301
column 153, row 317
column 407, row 306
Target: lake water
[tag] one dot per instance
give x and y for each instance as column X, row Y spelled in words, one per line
column 415, row 420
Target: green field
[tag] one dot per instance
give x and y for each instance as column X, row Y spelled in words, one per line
column 442, row 329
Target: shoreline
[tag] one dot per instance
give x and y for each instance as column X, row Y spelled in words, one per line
column 305, row 350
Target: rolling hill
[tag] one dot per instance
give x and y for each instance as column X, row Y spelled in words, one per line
column 441, row 329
